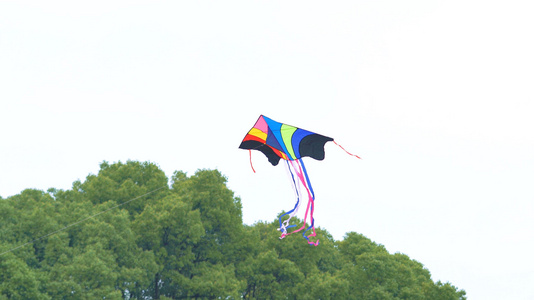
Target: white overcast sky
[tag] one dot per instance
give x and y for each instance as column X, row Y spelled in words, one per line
column 435, row 96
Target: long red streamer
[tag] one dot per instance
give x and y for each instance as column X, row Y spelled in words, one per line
column 250, row 155
column 345, row 150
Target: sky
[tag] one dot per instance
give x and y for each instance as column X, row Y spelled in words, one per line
column 435, row 96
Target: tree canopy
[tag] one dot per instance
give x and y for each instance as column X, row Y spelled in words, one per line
column 143, row 238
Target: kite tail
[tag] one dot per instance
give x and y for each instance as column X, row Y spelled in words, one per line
column 303, row 176
column 296, row 169
column 346, row 150
column 285, row 224
column 312, row 226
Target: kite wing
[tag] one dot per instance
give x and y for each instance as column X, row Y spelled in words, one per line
column 277, row 140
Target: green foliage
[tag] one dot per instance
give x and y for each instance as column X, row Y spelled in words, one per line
column 373, row 273
column 121, row 182
column 183, row 242
column 18, row 280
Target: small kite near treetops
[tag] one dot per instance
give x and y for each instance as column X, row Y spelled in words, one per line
column 277, row 140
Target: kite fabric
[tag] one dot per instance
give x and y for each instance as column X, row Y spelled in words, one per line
column 281, row 141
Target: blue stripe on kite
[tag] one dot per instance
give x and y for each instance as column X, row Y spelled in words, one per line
column 275, row 129
column 272, row 141
column 298, row 135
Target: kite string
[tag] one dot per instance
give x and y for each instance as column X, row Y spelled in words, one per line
column 78, row 222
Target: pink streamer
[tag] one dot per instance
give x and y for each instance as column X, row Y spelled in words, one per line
column 300, row 174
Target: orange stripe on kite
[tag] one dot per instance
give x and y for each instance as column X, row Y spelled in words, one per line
column 250, row 137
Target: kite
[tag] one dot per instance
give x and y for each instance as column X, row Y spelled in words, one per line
column 281, row 141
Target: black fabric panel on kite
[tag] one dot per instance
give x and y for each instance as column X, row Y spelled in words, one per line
column 313, row 146
column 255, row 145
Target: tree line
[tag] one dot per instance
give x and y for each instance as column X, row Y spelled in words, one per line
column 183, row 240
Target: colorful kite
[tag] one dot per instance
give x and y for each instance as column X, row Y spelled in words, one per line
column 276, row 141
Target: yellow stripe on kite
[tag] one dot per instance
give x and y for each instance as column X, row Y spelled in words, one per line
column 287, row 133
column 258, row 133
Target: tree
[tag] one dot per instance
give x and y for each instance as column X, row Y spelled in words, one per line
column 169, row 229
column 121, row 182
column 373, row 273
column 18, row 280
column 216, row 252
column 220, row 213
column 183, row 242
